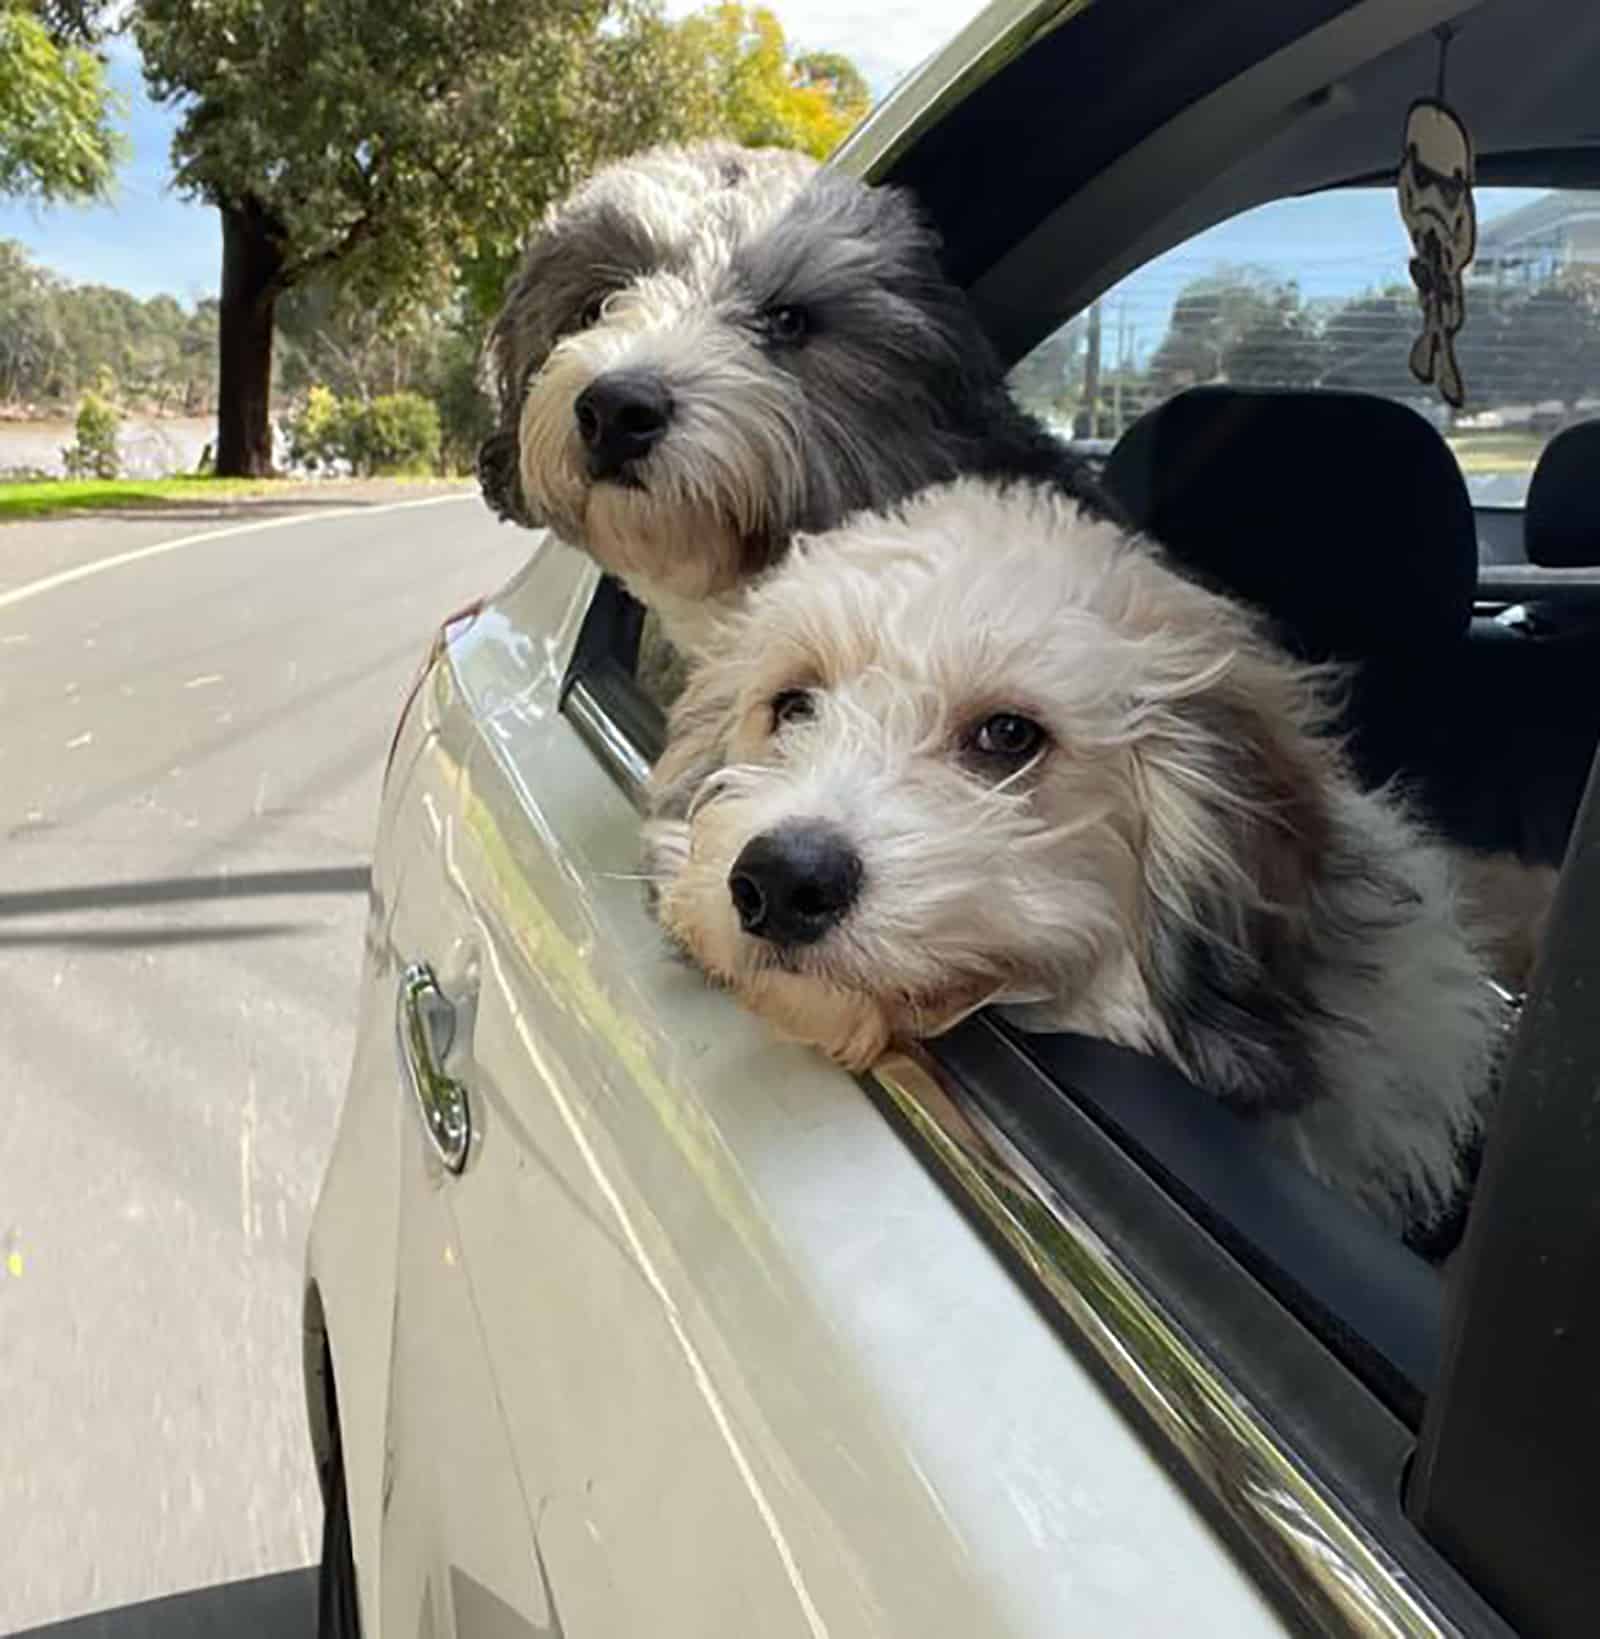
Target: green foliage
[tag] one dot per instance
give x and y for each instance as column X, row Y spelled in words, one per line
column 56, row 137
column 1530, row 350
column 58, row 340
column 725, row 72
column 337, row 343
column 389, row 145
column 1212, row 316
column 1367, row 343
column 317, row 431
column 763, row 95
column 94, row 454
column 1049, row 378
column 396, row 433
column 381, row 142
column 466, row 416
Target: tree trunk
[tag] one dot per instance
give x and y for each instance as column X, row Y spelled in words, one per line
column 252, row 260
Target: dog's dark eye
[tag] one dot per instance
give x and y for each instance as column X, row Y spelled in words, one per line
column 792, row 706
column 591, row 315
column 786, row 326
column 1007, row 736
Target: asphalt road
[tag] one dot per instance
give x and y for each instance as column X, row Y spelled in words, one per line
column 190, row 750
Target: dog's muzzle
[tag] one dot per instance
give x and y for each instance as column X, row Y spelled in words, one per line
column 621, row 417
column 790, row 885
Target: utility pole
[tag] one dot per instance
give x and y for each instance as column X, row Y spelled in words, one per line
column 1091, row 374
column 1122, row 365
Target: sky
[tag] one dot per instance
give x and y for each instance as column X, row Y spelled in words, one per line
column 148, row 240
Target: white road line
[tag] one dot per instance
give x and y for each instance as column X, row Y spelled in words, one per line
column 33, row 589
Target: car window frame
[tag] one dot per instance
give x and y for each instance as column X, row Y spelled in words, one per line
column 1298, row 1462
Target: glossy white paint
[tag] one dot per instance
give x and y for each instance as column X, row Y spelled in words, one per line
column 694, row 1345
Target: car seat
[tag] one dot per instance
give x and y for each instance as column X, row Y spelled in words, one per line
column 1344, row 518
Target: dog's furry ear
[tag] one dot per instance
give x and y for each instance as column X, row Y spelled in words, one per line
column 1237, row 781
column 699, row 730
column 500, row 477
column 515, row 349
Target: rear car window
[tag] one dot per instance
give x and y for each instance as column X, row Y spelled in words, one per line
column 1315, row 292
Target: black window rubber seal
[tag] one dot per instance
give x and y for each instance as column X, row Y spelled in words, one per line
column 604, row 660
column 1372, row 1301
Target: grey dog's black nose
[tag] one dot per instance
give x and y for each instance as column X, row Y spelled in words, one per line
column 791, row 884
column 621, row 416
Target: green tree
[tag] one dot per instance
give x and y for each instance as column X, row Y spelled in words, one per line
column 726, row 72
column 58, row 339
column 56, row 137
column 374, row 146
column 765, row 96
column 1368, row 343
column 95, row 453
column 31, row 342
column 1211, row 317
column 1280, row 346
column 1553, row 343
column 1047, row 381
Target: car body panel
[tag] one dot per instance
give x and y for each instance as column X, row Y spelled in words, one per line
column 754, row 1370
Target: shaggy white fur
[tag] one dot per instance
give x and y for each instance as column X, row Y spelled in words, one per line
column 1041, row 769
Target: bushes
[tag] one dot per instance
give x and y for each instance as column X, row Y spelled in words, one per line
column 94, row 455
column 466, row 413
column 397, row 433
column 316, row 432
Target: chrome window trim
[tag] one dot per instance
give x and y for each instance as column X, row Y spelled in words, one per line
column 620, row 758
column 1324, row 1559
column 1326, row 1563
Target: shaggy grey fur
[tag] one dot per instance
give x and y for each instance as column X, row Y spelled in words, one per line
column 893, row 385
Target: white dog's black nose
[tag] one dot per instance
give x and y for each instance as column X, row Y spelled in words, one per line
column 791, row 884
column 621, row 417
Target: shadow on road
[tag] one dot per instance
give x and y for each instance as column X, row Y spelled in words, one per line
column 141, row 938
column 168, row 890
column 266, row 1607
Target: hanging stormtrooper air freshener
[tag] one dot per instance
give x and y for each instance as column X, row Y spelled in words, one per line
column 1437, row 207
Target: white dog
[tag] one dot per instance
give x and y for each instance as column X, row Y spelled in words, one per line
column 989, row 749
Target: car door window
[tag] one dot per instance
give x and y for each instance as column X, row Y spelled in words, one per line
column 1316, row 292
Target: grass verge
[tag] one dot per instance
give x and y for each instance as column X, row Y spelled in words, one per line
column 45, row 497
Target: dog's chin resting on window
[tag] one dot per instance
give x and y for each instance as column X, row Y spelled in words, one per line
column 986, row 748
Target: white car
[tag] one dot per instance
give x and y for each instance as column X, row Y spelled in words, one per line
column 623, row 1319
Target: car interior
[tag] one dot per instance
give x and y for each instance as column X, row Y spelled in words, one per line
column 1471, row 634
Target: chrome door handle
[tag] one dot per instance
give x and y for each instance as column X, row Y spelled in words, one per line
column 425, row 1026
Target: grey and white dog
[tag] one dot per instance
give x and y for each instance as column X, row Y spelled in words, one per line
column 708, row 349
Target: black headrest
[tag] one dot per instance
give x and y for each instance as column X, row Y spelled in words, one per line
column 1561, row 528
column 1341, row 515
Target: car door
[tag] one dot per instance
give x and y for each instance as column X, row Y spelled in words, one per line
column 454, row 1551
column 757, row 1375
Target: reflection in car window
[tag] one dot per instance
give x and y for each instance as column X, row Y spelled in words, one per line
column 1315, row 292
